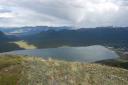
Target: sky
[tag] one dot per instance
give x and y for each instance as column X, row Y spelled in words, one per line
column 75, row 13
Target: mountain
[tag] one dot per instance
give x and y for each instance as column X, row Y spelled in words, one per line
column 49, row 37
column 5, row 43
column 3, row 37
column 23, row 31
column 1, row 33
column 115, row 37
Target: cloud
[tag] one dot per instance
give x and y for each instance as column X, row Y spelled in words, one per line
column 4, row 10
column 81, row 13
column 122, row 2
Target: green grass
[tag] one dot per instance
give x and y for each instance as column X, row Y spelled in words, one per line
column 10, row 69
column 20, row 70
column 53, row 72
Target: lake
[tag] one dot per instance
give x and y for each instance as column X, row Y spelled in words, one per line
column 80, row 54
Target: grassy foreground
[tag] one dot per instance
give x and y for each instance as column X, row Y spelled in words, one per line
column 19, row 70
column 10, row 69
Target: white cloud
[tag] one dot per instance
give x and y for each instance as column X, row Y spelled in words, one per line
column 6, row 15
column 85, row 13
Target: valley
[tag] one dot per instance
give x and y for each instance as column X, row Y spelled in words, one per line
column 86, row 54
column 63, row 42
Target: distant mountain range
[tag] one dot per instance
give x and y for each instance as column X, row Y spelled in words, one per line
column 116, row 37
column 49, row 37
column 29, row 30
column 33, row 30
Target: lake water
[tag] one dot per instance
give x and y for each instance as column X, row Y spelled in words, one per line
column 81, row 54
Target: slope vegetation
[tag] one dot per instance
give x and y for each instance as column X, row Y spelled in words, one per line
column 20, row 70
column 5, row 44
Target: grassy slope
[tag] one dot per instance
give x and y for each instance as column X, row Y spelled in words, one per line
column 36, row 71
column 10, row 69
column 24, row 45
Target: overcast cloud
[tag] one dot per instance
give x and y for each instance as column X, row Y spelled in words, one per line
column 77, row 13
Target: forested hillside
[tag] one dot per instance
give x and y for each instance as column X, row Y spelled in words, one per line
column 5, row 43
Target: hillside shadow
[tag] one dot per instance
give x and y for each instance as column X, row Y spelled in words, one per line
column 114, row 63
column 6, row 46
